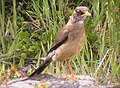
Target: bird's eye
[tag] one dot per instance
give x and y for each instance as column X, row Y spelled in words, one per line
column 79, row 11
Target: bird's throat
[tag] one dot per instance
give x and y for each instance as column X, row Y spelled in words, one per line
column 81, row 22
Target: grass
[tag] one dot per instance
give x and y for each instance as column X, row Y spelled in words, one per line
column 28, row 34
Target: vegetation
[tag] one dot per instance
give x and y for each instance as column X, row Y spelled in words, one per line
column 28, row 28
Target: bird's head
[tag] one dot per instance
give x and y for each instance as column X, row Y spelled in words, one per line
column 80, row 13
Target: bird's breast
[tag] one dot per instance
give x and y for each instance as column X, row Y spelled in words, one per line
column 72, row 46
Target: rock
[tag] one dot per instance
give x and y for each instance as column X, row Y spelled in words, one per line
column 49, row 81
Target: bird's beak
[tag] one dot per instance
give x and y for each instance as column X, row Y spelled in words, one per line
column 86, row 14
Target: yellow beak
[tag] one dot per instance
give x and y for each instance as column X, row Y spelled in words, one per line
column 86, row 14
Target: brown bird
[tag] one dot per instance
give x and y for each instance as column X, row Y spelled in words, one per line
column 68, row 42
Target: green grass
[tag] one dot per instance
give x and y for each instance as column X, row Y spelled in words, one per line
column 28, row 33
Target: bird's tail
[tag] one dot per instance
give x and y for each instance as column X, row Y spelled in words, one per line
column 42, row 67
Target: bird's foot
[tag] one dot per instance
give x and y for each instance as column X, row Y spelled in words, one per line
column 68, row 77
column 72, row 76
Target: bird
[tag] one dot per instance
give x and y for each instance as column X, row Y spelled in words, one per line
column 69, row 41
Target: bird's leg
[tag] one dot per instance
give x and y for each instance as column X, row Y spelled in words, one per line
column 69, row 66
column 64, row 70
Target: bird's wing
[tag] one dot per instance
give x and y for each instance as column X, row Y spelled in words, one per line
column 60, row 39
